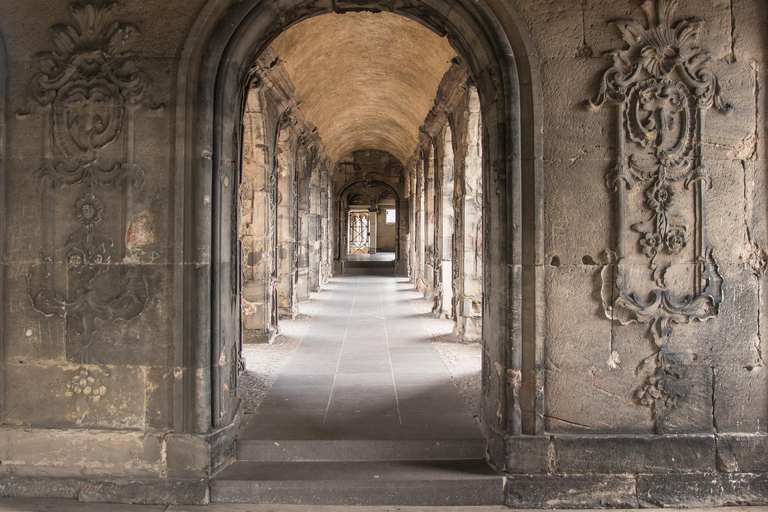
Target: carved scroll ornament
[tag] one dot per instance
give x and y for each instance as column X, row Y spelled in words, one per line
column 662, row 86
column 88, row 91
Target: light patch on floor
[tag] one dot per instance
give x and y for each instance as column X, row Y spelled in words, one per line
column 464, row 363
column 264, row 362
column 463, row 360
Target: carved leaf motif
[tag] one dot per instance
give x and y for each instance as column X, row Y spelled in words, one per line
column 658, row 48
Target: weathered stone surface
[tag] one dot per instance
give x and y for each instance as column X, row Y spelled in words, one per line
column 703, row 490
column 577, row 229
column 749, row 19
column 559, row 25
column 33, row 487
column 529, row 454
column 71, row 505
column 734, row 136
column 633, row 454
column 584, row 133
column 78, row 451
column 694, row 413
column 742, row 453
column 192, row 492
column 160, row 384
column 590, row 392
column 741, row 398
column 582, row 491
column 46, row 405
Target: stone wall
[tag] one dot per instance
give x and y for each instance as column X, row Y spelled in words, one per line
column 98, row 384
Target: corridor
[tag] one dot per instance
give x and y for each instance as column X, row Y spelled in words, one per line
column 365, row 370
column 364, row 412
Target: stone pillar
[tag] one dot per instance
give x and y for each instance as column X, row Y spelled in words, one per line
column 303, row 170
column 420, row 226
column 286, row 236
column 257, row 225
column 411, row 240
column 469, row 245
column 444, row 244
column 314, row 240
column 373, row 230
column 429, row 222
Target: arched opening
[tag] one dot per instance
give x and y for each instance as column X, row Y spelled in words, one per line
column 369, row 220
column 211, row 93
column 366, row 185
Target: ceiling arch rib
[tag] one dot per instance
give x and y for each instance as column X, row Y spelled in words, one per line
column 365, row 80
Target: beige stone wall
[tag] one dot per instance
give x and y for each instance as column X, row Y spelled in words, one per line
column 587, row 389
column 137, row 352
column 589, row 364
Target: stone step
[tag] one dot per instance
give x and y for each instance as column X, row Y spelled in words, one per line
column 369, row 264
column 359, row 450
column 404, row 483
column 368, row 267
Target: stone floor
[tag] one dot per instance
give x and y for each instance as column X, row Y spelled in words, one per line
column 366, row 369
column 264, row 362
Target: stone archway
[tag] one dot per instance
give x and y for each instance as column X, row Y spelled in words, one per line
column 340, row 212
column 224, row 42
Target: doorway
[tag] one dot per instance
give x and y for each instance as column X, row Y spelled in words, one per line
column 496, row 73
column 359, row 232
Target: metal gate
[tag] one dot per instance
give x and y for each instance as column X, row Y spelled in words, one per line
column 359, row 233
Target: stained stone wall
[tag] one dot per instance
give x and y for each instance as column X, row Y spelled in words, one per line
column 283, row 191
column 640, row 378
column 449, row 268
column 601, row 376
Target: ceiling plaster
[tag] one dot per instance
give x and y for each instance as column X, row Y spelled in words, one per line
column 365, row 80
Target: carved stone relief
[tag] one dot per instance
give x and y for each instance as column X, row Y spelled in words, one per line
column 87, row 92
column 662, row 87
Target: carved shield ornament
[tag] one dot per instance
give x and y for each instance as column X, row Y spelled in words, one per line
column 88, row 115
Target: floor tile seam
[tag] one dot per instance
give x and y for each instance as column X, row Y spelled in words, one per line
column 301, row 339
column 288, row 362
column 389, row 353
column 338, row 363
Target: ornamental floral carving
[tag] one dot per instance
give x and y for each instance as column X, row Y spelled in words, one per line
column 88, row 90
column 662, row 86
column 88, row 81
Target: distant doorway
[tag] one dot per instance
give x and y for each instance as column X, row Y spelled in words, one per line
column 359, row 232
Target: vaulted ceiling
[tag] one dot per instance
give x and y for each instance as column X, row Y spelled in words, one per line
column 365, row 80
